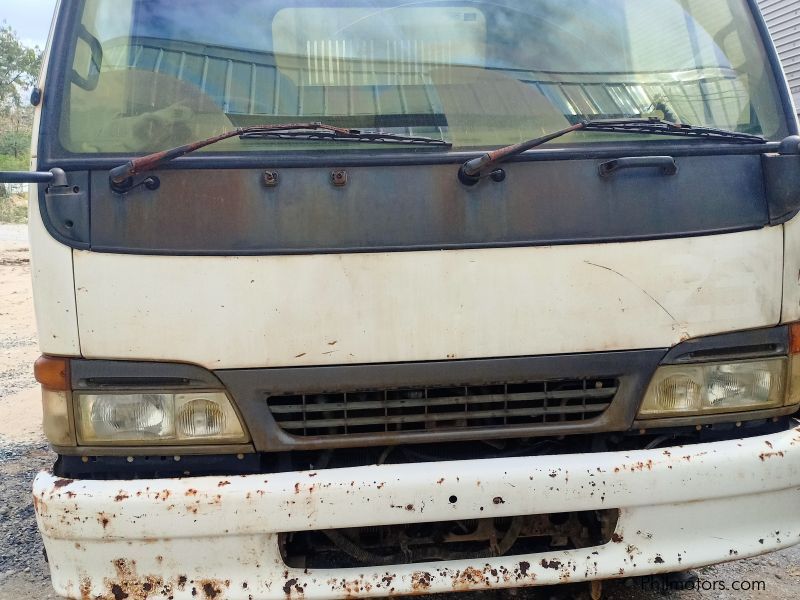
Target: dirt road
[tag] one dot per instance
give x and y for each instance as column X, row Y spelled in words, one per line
column 23, row 571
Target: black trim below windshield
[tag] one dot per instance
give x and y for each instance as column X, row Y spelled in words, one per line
column 405, row 208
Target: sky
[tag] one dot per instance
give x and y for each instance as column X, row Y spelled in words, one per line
column 30, row 18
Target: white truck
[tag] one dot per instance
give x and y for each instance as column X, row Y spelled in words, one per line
column 364, row 298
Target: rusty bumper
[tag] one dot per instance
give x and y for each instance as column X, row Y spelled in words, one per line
column 216, row 537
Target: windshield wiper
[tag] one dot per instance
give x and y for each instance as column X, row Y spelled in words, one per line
column 472, row 171
column 120, row 177
column 351, row 135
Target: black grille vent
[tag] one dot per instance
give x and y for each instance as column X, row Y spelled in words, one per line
column 437, row 408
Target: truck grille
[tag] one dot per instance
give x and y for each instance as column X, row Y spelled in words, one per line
column 436, row 408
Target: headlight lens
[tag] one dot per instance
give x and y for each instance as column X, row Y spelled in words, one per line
column 158, row 418
column 678, row 390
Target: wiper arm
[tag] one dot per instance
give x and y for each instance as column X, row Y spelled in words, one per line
column 472, row 171
column 120, row 177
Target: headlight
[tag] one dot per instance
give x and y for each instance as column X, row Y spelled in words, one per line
column 682, row 390
column 157, row 418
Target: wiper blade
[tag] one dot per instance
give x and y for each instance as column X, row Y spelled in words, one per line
column 120, row 177
column 654, row 125
column 351, row 135
column 472, row 171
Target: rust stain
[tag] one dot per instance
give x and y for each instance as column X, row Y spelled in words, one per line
column 291, row 584
column 129, row 586
column 409, row 507
column 223, row 483
column 59, row 483
column 121, row 496
column 551, row 564
column 468, row 578
column 616, row 538
column 523, row 568
column 287, row 587
column 212, row 588
column 86, row 587
column 103, row 519
column 498, row 500
column 420, row 581
column 191, row 492
column 765, row 455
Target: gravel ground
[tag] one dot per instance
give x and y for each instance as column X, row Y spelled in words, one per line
column 23, row 571
column 23, row 452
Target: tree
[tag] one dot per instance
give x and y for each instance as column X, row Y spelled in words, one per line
column 19, row 66
column 16, row 123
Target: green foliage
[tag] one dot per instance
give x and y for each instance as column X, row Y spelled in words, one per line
column 16, row 123
column 10, row 163
column 13, row 209
column 19, row 66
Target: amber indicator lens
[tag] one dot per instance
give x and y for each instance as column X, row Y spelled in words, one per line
column 52, row 372
column 794, row 338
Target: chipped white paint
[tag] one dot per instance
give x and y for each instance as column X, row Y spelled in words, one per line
column 233, row 312
column 681, row 507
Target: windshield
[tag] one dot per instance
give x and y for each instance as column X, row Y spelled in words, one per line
column 152, row 74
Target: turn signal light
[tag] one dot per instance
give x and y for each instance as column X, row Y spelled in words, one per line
column 52, row 372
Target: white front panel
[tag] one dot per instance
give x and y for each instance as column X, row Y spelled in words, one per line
column 236, row 312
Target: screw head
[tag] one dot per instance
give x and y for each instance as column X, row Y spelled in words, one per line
column 339, row 177
column 270, row 178
column 498, row 175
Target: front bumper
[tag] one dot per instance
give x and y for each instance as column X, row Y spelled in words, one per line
column 216, row 537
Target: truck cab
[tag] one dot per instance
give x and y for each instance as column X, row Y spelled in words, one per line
column 365, row 298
